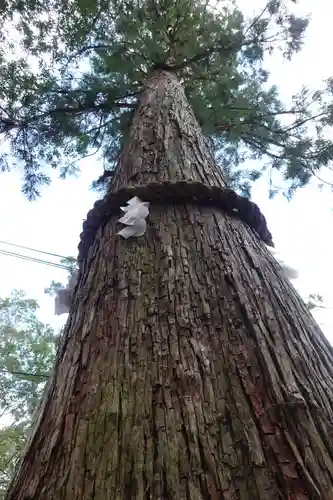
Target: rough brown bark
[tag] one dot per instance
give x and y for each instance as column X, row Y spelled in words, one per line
column 190, row 368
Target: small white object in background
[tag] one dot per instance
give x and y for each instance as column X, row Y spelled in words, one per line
column 289, row 271
column 63, row 298
column 134, row 218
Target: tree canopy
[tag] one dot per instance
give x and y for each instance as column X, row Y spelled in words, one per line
column 72, row 74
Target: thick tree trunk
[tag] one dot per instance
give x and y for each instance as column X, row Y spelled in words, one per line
column 190, row 369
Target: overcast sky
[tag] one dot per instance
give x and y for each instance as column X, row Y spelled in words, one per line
column 302, row 228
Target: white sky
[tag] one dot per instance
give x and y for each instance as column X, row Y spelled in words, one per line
column 302, row 228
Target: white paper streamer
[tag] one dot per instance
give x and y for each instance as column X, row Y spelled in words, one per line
column 134, row 218
column 62, row 301
column 289, row 271
column 63, row 298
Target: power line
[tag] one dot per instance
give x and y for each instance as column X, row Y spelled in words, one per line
column 13, row 372
column 34, row 259
column 33, row 250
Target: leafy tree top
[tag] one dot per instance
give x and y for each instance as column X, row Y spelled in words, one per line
column 84, row 64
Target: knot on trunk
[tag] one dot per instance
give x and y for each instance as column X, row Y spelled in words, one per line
column 173, row 193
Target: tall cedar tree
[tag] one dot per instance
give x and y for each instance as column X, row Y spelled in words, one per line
column 72, row 72
column 189, row 367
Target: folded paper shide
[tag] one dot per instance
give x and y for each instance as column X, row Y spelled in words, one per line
column 63, row 298
column 134, row 218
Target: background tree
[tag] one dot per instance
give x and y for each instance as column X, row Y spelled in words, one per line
column 84, row 63
column 27, row 350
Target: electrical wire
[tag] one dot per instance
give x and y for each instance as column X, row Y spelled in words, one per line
column 13, row 372
column 34, row 259
column 33, row 250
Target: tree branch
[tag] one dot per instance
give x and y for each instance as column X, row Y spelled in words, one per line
column 256, row 19
column 203, row 55
column 91, row 47
column 8, row 125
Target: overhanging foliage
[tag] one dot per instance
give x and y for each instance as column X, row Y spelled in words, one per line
column 84, row 64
